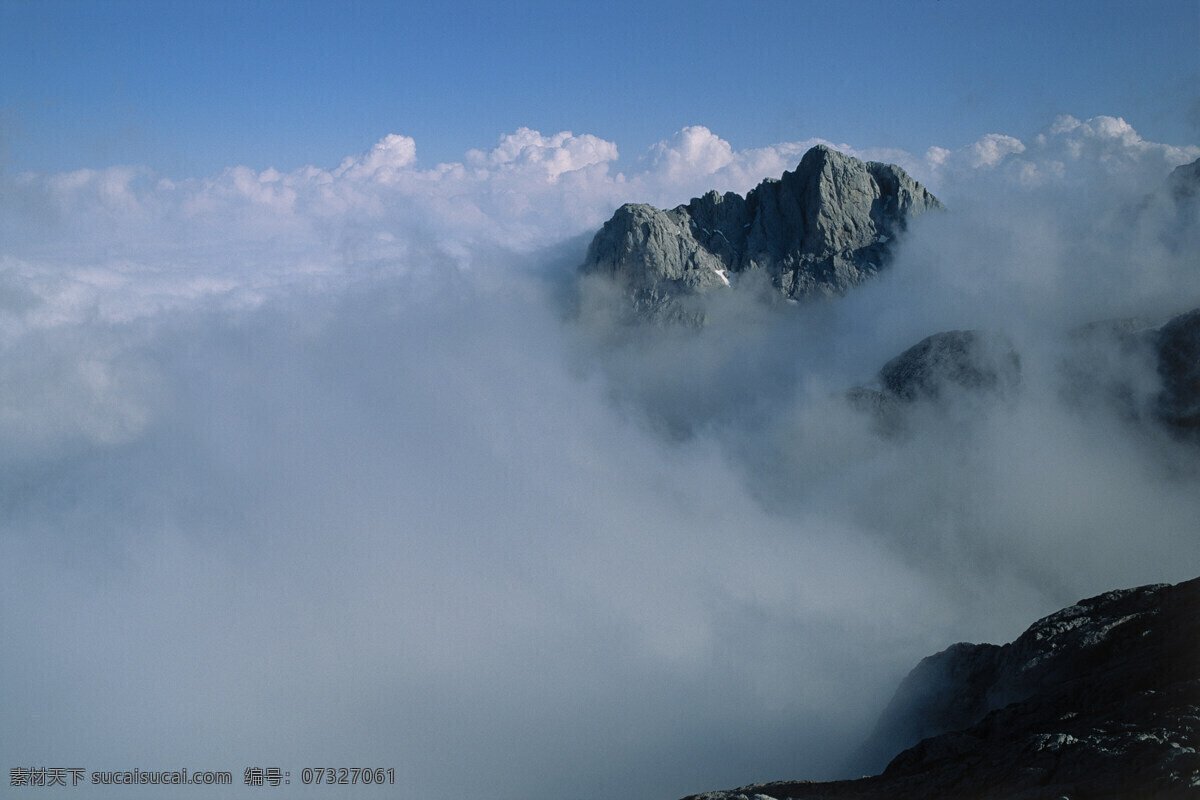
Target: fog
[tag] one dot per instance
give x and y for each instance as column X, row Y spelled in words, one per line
column 329, row 469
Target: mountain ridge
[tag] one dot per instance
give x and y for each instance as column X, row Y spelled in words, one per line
column 816, row 231
column 1099, row 700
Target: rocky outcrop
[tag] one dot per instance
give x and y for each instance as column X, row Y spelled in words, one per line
column 970, row 360
column 945, row 692
column 819, row 230
column 1139, row 371
column 938, row 368
column 1100, row 700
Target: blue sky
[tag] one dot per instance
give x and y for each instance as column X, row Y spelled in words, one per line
column 188, row 88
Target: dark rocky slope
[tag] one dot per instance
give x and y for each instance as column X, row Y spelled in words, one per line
column 1177, row 346
column 1099, row 701
column 940, row 369
column 1139, row 371
column 819, row 230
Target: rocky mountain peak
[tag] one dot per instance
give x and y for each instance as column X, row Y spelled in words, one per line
column 818, row 230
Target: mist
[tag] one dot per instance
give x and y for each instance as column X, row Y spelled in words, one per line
column 326, row 469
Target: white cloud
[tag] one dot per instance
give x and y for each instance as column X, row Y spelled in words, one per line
column 692, row 152
column 993, row 148
column 243, row 233
column 324, row 438
column 388, row 156
column 548, row 156
column 1067, row 151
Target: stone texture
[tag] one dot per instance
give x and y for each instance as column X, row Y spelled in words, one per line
column 819, row 230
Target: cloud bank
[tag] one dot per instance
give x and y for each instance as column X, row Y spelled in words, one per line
column 311, row 468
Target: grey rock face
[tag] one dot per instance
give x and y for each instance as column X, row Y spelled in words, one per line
column 819, row 230
column 1100, row 700
column 976, row 363
column 970, row 360
column 1143, row 373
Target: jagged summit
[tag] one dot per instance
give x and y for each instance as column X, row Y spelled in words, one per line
column 818, row 230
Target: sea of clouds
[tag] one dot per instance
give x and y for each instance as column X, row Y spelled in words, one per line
column 319, row 468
